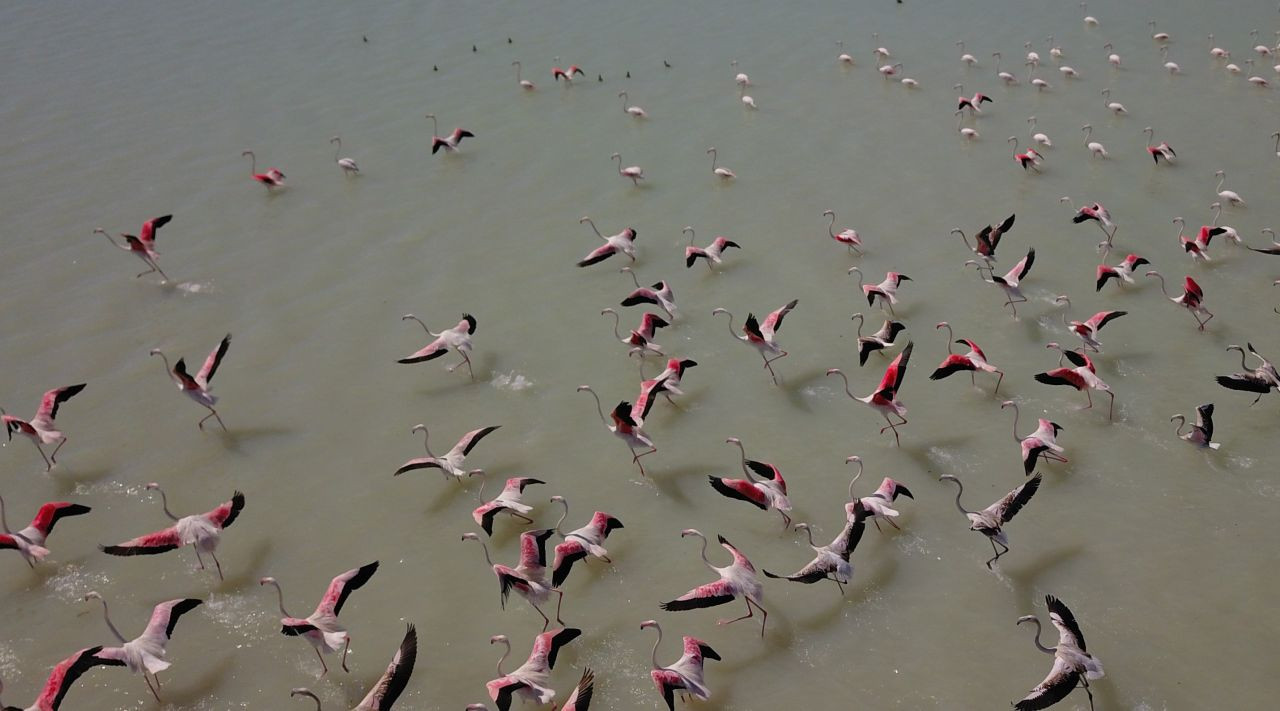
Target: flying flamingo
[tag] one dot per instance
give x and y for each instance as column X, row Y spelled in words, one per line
column 523, row 83
column 42, row 429
column 1039, row 138
column 529, row 577
column 508, row 501
column 1006, row 77
column 987, row 239
column 386, row 691
column 685, row 675
column 1114, row 107
column 632, row 110
column 143, row 246
column 322, row 628
column 1097, row 150
column 876, row 506
column 722, row 173
column 457, row 338
column 30, row 541
column 737, row 579
column 347, row 165
column 1162, row 150
column 886, row 291
column 769, row 492
column 1230, row 196
column 671, row 376
column 63, row 676
column 531, row 679
column 450, row 465
column 200, row 531
column 1030, row 159
column 581, row 542
column 1201, row 433
column 1096, row 212
column 885, row 398
column 973, row 104
column 877, row 341
column 1260, row 380
column 1197, row 247
column 448, row 143
column 641, row 339
column 991, row 520
column 1192, row 298
column 659, row 294
column 273, row 178
column 972, row 361
column 848, row 237
column 625, row 428
column 762, row 336
column 1088, row 330
column 634, row 172
column 1082, row 376
column 146, row 652
column 197, row 388
column 1228, row 232
column 1010, row 282
column 710, row 253
column 1041, row 443
column 568, row 75
column 831, row 561
column 624, row 242
column 1072, row 665
column 1122, row 272
column 580, row 698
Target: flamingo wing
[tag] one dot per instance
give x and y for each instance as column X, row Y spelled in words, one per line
column 1104, row 274
column 164, row 617
column 67, row 672
column 180, row 372
column 548, row 644
column 393, row 681
column 501, row 691
column 668, row 683
column 1204, row 420
column 738, row 558
column 741, row 490
column 419, row 463
column 896, row 371
column 1062, row 376
column 1102, row 318
column 752, row 328
column 640, row 296
column 431, row 351
column 49, row 515
column 580, row 699
column 471, row 439
column 709, row 595
column 149, row 544
column 1068, row 629
column 597, row 255
column 1055, row 687
column 1189, row 286
column 1009, row 506
column 1248, row 382
column 226, row 514
column 213, row 361
column 815, row 571
column 567, row 554
column 150, row 227
column 954, row 363
column 533, row 548
column 51, row 400
column 774, row 321
column 341, row 587
column 1020, row 269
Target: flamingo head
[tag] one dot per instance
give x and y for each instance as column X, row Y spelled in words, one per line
column 92, row 595
column 470, row 537
column 691, row 532
column 733, row 440
column 557, row 498
column 267, row 581
column 852, row 458
column 648, row 623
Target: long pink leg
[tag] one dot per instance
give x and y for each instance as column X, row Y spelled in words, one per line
column 749, row 614
column 54, row 455
column 48, row 465
column 322, row 664
column 346, row 648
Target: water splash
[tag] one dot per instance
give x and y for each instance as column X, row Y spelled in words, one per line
column 511, row 381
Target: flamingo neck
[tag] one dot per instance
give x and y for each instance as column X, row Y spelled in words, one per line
column 831, row 228
column 563, row 516
column 164, row 502
column 107, row 616
column 810, row 532
column 280, row 598
column 960, row 492
column 617, row 320
column 1039, row 645
column 845, row 378
column 599, row 409
column 731, row 331
column 854, row 480
column 1016, row 414
column 308, row 694
column 336, row 152
column 504, row 656
column 656, row 642
column 4, row 523
column 1182, row 422
column 485, row 548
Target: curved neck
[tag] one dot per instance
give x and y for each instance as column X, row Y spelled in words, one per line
column 951, row 336
column 485, row 548
column 4, row 523
column 112, row 241
column 617, row 320
column 861, row 321
column 810, row 532
column 962, row 236
column 483, row 480
column 704, row 552
column 599, row 409
column 517, row 72
column 435, row 127
column 336, row 152
column 591, row 222
column 959, row 492
column 1221, row 180
column 253, row 162
column 1088, row 131
column 656, row 642
column 692, row 234
column 858, row 271
column 1064, row 312
column 1217, row 215
column 168, row 370
column 308, row 694
column 426, row 441
column 854, row 480
column 423, row 325
column 619, row 159
column 1160, row 276
column 563, row 515
column 1242, row 363
column 845, row 378
column 1182, row 422
column 106, row 616
column 164, row 502
column 504, row 656
column 280, row 598
column 1039, row 645
column 1016, row 414
column 634, row 278
column 730, row 315
column 831, row 228
column 743, row 452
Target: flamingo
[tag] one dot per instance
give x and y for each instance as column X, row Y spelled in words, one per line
column 457, row 338
column 448, row 143
column 531, row 678
column 972, row 361
column 1088, row 330
column 710, row 253
column 1122, row 272
column 965, row 57
column 1054, row 50
column 1201, row 433
column 1215, row 51
column 523, row 83
column 42, row 429
column 1089, row 20
column 988, row 238
column 769, row 492
column 624, row 242
column 1039, row 138
column 737, row 579
column 1157, row 36
column 671, row 376
column 685, row 675
column 1096, row 212
column 1262, row 49
column 1228, row 232
column 1069, row 72
column 885, row 398
column 991, row 520
column 529, row 577
column 633, row 110
column 1037, row 82
column 1197, row 247
column 831, row 561
column 29, row 542
column 625, row 428
column 634, row 172
column 143, row 246
column 1072, row 665
column 886, row 291
column 347, row 165
column 1006, row 77
column 322, row 628
column 722, row 173
column 762, row 336
column 197, row 388
column 64, row 674
column 273, row 178
column 1191, row 299
column 1112, row 58
column 581, row 542
column 387, row 690
column 876, row 506
column 1011, row 281
column 567, row 75
column 508, row 501
column 1031, row 159
column 200, row 531
column 889, row 70
column 580, row 698
column 1042, row 443
column 1275, row 246
column 1082, row 376
column 450, row 465
column 1260, row 380
column 1097, row 150
column 1172, row 67
column 146, row 652
column 877, row 341
column 880, row 52
column 848, row 237
column 741, row 79
column 843, row 57
column 640, row 339
column 1158, row 151
column 970, row 134
column 1115, row 107
column 747, row 101
column 1032, row 56
column 973, row 104
column 659, row 294
column 1229, row 196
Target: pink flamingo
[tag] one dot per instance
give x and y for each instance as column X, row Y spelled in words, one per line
column 531, row 679
column 1191, row 299
column 197, row 388
column 991, row 520
column 457, row 338
column 770, row 492
column 581, row 542
column 393, row 681
column 1030, row 159
column 877, row 341
column 832, row 560
column 146, row 652
column 1088, row 330
column 1041, row 443
column 529, row 577
column 848, row 237
column 712, row 254
column 1122, row 272
column 876, row 506
column 143, row 246
column 685, row 675
column 30, row 541
column 625, row 428
column 659, row 294
column 508, row 501
column 42, row 428
column 322, row 628
column 972, row 361
column 762, row 336
column 987, row 239
column 448, row 143
column 737, row 579
column 640, row 339
column 63, row 676
column 567, row 75
column 885, row 398
column 1011, row 282
column 273, row 178
column 622, row 243
column 451, row 463
column 886, row 291
column 200, row 531
column 1082, row 376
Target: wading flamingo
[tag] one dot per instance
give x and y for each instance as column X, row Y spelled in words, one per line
column 42, row 429
column 197, row 388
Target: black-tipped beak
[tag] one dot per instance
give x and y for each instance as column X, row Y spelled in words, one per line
column 905, row 492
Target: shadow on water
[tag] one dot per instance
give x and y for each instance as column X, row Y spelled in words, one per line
column 450, row 492
column 248, row 569
column 793, row 387
column 66, row 481
column 233, row 439
column 1024, row 576
column 831, row 604
column 188, row 695
column 672, row 483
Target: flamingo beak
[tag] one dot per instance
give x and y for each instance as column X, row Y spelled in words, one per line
column 905, row 492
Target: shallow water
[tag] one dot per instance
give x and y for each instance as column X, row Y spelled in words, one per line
column 118, row 112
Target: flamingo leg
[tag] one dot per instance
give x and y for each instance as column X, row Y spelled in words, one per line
column 893, row 427
column 322, row 664
column 636, row 459
column 48, row 465
column 212, row 413
column 998, row 381
column 997, row 553
column 891, row 523
column 53, row 456
column 1090, row 397
column 559, row 602
column 749, row 615
column 217, row 564
column 839, row 585
column 346, row 648
column 546, row 621
column 1085, row 683
column 1111, row 413
column 152, row 688
column 786, row 520
column 142, row 274
column 199, row 559
column 526, row 519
